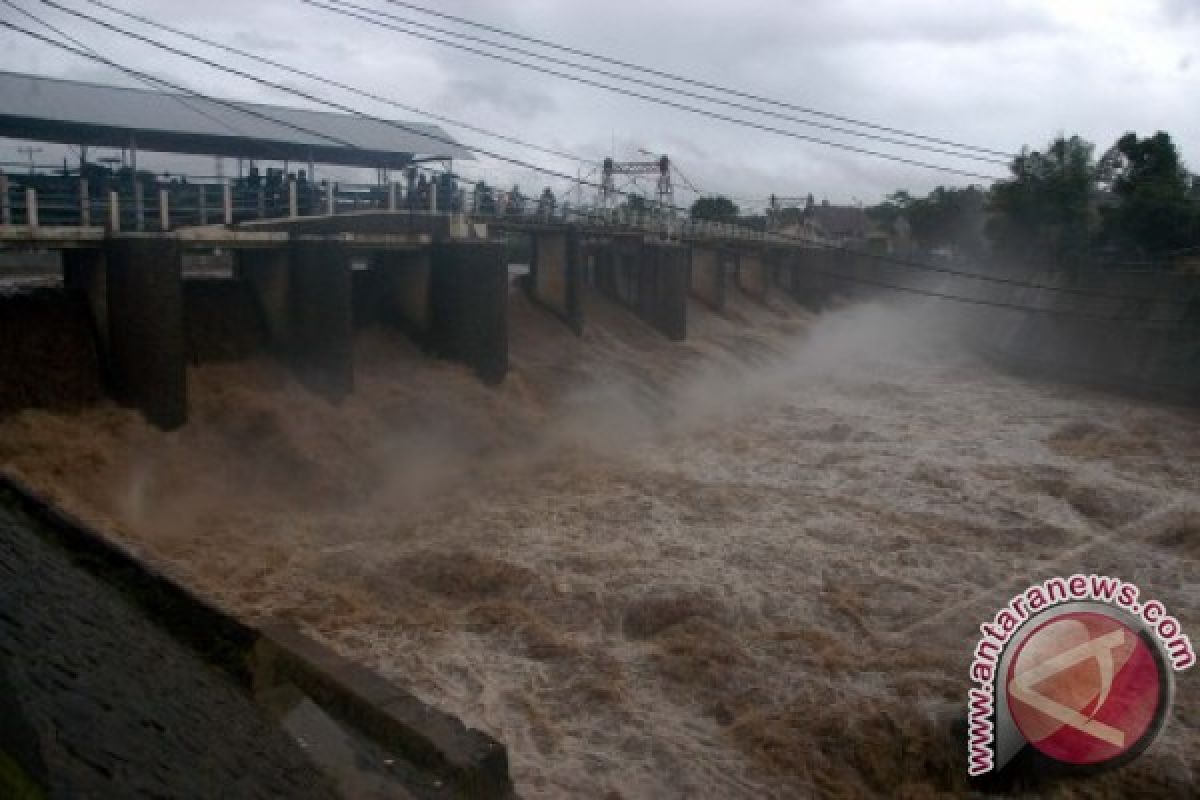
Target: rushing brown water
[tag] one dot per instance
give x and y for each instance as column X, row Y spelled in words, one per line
column 751, row 565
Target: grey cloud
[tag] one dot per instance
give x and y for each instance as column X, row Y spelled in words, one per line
column 1181, row 10
column 498, row 94
column 1000, row 74
column 257, row 42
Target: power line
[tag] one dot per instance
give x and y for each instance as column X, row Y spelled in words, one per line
column 649, row 98
column 693, row 82
column 340, row 85
column 672, row 89
column 346, row 87
column 561, row 175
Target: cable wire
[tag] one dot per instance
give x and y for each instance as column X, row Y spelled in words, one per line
column 671, row 89
column 340, row 85
column 650, row 98
column 543, row 170
column 693, row 82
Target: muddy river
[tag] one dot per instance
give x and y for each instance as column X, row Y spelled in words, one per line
column 752, row 565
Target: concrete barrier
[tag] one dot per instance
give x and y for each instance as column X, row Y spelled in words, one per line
column 707, row 278
column 810, row 286
column 222, row 320
column 395, row 291
column 320, row 320
column 266, row 274
column 469, row 306
column 752, row 276
column 556, row 276
column 147, row 345
column 664, row 288
column 649, row 278
column 84, row 271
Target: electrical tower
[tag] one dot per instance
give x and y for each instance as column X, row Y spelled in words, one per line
column 662, row 167
column 777, row 205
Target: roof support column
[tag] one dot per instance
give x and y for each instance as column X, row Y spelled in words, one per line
column 139, row 205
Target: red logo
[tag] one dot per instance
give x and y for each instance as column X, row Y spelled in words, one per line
column 1085, row 688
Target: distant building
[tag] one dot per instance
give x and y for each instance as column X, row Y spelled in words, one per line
column 842, row 225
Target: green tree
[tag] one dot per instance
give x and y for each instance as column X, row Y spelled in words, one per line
column 1156, row 212
column 891, row 209
column 717, row 208
column 945, row 217
column 949, row 217
column 1042, row 213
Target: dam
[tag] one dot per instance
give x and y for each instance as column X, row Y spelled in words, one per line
column 673, row 509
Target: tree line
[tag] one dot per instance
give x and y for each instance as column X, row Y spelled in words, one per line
column 1061, row 207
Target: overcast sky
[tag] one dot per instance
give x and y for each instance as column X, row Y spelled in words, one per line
column 1000, row 74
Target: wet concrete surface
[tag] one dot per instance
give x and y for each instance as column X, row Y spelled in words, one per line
column 100, row 703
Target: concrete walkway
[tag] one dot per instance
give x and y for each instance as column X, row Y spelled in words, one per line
column 97, row 702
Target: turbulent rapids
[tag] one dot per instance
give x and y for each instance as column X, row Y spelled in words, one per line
column 750, row 565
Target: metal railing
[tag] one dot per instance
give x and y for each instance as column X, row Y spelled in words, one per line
column 155, row 206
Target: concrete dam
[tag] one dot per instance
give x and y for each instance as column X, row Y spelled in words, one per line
column 681, row 516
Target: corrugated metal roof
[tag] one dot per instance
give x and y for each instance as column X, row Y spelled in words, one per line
column 75, row 112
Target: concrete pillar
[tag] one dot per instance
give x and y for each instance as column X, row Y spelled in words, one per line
column 227, row 201
column 402, row 283
column 810, row 284
column 321, row 317
column 31, row 208
column 663, row 288
column 293, row 200
column 556, row 275
column 707, row 273
column 753, row 278
column 202, row 203
column 84, row 271
column 267, row 274
column 114, row 212
column 5, row 205
column 469, row 303
column 145, row 327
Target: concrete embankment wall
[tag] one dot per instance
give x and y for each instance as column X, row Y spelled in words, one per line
column 194, row 724
column 1141, row 336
